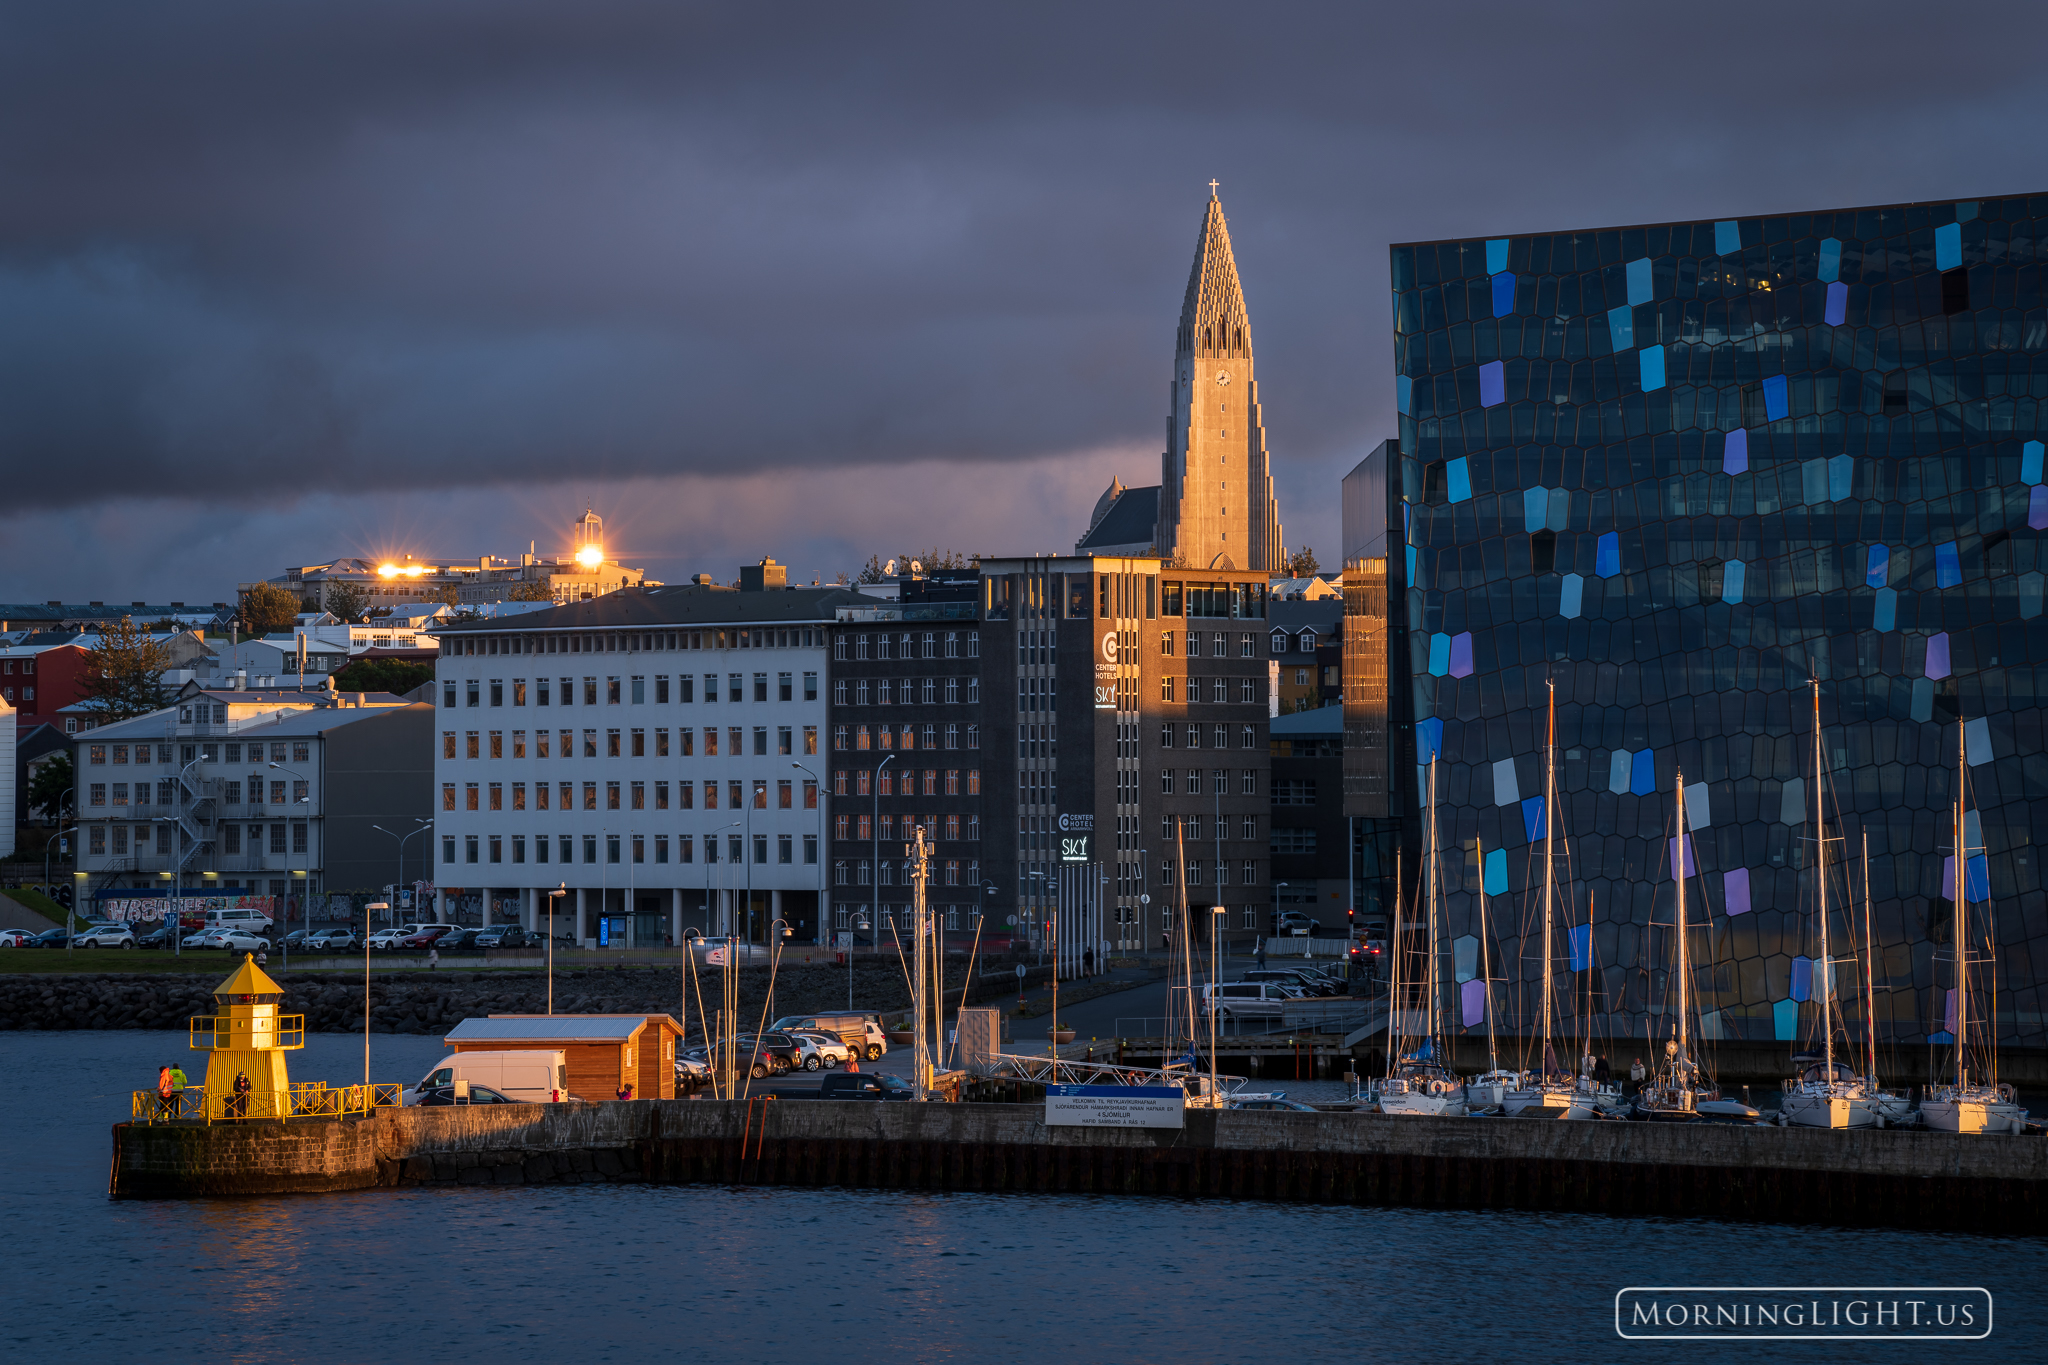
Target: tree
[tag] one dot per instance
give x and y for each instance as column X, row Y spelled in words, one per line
column 451, row 594
column 46, row 790
column 267, row 609
column 871, row 572
column 124, row 673
column 540, row 590
column 397, row 676
column 347, row 601
column 1302, row 563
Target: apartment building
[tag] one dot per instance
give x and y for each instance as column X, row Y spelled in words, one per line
column 653, row 754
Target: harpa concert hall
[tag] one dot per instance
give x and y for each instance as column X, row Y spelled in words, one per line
column 1680, row 472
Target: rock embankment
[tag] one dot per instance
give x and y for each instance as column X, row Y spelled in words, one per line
column 434, row 1002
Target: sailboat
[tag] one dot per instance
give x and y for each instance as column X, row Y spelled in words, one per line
column 1486, row 1093
column 1678, row 1089
column 1419, row 1081
column 1826, row 1094
column 1550, row 1091
column 1968, row 1105
column 1891, row 1106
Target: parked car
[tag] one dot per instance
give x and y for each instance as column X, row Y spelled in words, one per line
column 825, row 1049
column 718, row 951
column 239, row 917
column 387, row 938
column 331, row 940
column 294, row 942
column 1294, row 922
column 204, row 938
column 15, row 938
column 861, row 1032
column 236, row 940
column 1290, row 976
column 777, row 1052
column 523, row 1075
column 105, row 936
column 1248, row 999
column 693, row 1070
column 501, row 936
column 457, row 940
column 446, row 1094
column 866, row 1085
column 49, row 938
column 428, row 937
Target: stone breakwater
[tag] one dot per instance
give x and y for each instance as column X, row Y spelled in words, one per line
column 1900, row 1179
column 434, row 1002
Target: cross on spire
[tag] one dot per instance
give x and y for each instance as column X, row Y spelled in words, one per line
column 1212, row 189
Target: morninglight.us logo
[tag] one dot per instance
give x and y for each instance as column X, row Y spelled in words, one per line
column 1802, row 1313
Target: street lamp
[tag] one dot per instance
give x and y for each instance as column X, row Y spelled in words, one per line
column 553, row 896
column 70, row 911
column 367, row 908
column 424, row 826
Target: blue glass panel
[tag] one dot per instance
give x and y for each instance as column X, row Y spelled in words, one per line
column 1458, row 480
column 1570, row 599
column 1496, row 255
column 1535, row 508
column 1831, row 260
column 1560, row 514
column 1639, row 280
column 1580, row 937
column 1621, row 328
column 1532, row 818
column 1413, row 582
column 1775, row 405
column 1948, row 569
column 1785, row 1020
column 1877, row 566
column 1727, row 238
column 1977, row 741
column 2031, row 585
column 1735, row 455
column 1977, row 879
column 1607, row 557
column 1404, row 390
column 1692, row 855
column 1496, row 872
column 2037, row 507
column 1492, row 384
column 1838, row 304
column 2030, row 462
column 1652, row 358
column 1813, row 481
column 1732, row 574
column 1948, row 246
column 1642, row 776
column 1923, row 700
column 1841, row 477
column 1802, row 978
column 1503, row 294
column 1429, row 739
column 1618, row 771
column 1439, row 654
column 1886, row 615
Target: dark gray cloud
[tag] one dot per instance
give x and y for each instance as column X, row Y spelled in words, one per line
column 256, row 254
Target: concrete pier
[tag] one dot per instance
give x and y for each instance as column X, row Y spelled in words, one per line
column 1882, row 1178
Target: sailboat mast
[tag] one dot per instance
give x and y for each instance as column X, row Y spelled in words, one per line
column 1684, row 966
column 1430, row 1018
column 1820, row 882
column 1486, row 961
column 1869, row 966
column 1549, row 872
column 1394, row 975
column 1962, row 970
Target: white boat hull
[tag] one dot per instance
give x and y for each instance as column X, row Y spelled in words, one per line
column 1973, row 1116
column 1540, row 1103
column 1448, row 1104
column 1822, row 1109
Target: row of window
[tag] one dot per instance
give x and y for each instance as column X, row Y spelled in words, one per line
column 1190, row 736
column 961, row 917
column 906, row 691
column 1193, row 828
column 884, row 782
column 626, row 796
column 951, row 828
column 27, row 693
column 27, row 665
column 630, row 642
column 617, row 690
column 1189, row 782
column 281, row 751
column 905, row 737
column 948, row 872
column 1218, row 644
column 1200, row 870
column 626, row 743
column 1219, row 690
column 949, row 644
column 1305, row 642
column 618, row 848
column 116, row 794
column 288, row 836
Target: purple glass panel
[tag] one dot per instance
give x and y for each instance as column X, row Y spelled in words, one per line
column 1735, row 891
column 1493, row 388
column 1838, row 303
column 1461, row 655
column 1472, row 999
column 1735, row 455
column 1937, row 656
column 2037, row 507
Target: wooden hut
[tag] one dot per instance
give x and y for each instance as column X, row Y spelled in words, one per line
column 603, row 1051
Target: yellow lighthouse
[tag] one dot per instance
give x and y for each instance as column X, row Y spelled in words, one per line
column 247, row 1037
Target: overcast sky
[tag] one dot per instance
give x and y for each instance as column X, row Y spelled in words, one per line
column 283, row 282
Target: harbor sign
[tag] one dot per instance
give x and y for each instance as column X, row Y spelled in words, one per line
column 1115, row 1106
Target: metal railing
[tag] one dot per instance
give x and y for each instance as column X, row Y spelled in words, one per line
column 217, row 1032
column 308, row 1099
column 1062, row 1071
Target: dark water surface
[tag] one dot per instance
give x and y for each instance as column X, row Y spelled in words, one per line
column 628, row 1273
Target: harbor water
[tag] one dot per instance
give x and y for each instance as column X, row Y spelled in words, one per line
column 621, row 1272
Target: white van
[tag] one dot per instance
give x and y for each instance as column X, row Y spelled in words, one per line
column 255, row 921
column 531, row 1077
column 1247, row 999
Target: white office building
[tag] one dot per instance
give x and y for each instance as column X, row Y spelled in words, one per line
column 653, row 755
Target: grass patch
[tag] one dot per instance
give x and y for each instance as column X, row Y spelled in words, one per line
column 38, row 902
column 136, row 961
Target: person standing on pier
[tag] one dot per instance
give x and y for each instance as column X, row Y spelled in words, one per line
column 177, row 1088
column 166, row 1102
column 433, row 959
column 239, row 1105
column 1635, row 1076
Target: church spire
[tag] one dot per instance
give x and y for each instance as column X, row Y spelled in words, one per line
column 1212, row 317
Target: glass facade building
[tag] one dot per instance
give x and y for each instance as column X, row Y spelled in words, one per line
column 1680, row 470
